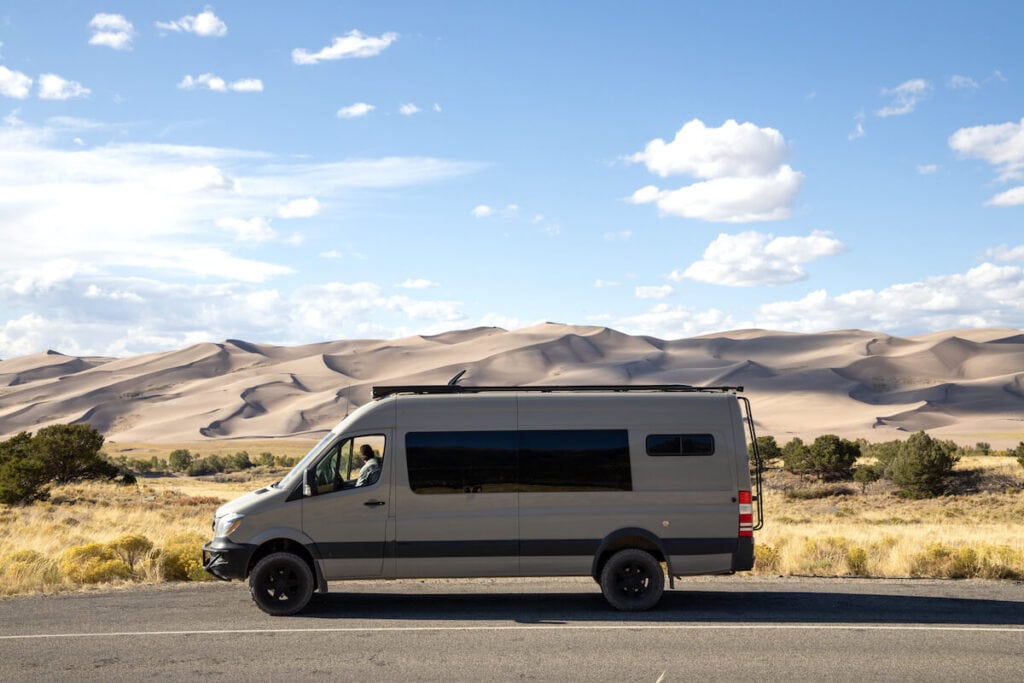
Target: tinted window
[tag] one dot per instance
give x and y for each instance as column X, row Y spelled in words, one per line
column 461, row 462
column 680, row 444
column 504, row 461
column 574, row 460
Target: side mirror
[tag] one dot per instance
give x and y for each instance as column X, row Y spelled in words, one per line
column 309, row 483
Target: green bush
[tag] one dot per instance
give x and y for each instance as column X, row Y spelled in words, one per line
column 795, row 456
column 768, row 448
column 921, row 466
column 866, row 474
column 1018, row 452
column 179, row 459
column 56, row 454
column 832, row 458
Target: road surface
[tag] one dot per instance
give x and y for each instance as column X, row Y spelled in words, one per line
column 708, row 629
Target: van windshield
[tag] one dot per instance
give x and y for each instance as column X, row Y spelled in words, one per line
column 296, row 472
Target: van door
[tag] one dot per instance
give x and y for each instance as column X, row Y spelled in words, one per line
column 457, row 512
column 346, row 514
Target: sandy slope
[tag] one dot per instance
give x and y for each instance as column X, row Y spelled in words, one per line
column 967, row 385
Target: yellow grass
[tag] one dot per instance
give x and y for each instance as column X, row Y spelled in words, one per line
column 973, row 534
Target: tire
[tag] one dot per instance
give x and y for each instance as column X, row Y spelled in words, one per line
column 632, row 580
column 281, row 584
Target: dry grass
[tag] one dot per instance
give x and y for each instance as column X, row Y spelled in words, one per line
column 974, row 533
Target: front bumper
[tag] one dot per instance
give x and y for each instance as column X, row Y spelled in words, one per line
column 227, row 560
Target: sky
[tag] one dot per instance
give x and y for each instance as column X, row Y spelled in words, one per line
column 288, row 173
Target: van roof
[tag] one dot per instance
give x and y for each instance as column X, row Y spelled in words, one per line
column 385, row 391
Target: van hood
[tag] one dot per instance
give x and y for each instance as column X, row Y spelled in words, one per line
column 253, row 502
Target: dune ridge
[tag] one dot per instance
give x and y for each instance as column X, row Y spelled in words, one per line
column 966, row 385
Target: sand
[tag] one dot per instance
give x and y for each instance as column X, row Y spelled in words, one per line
column 964, row 385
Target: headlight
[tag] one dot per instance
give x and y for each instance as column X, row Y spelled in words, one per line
column 227, row 524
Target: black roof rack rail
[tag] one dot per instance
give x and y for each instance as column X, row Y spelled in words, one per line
column 384, row 391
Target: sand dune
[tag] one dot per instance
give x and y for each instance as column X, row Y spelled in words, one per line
column 967, row 385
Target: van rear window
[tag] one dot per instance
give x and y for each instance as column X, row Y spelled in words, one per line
column 680, row 444
column 526, row 461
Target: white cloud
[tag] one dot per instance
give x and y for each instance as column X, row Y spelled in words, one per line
column 744, row 179
column 215, row 83
column 1001, row 145
column 729, row 200
column 666, row 321
column 1006, row 253
column 408, row 109
column 206, row 24
column 985, row 296
column 437, row 107
column 858, row 130
column 306, row 207
column 1011, row 197
column 255, row 229
column 654, row 292
column 927, row 169
column 247, row 85
column 418, row 283
column 958, row 82
column 755, row 259
column 352, row 45
column 14, row 83
column 905, row 97
column 482, row 211
column 355, row 110
column 733, row 149
column 620, row 236
column 53, row 87
column 111, row 30
column 601, row 284
column 331, row 254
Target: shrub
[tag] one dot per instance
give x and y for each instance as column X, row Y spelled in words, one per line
column 93, row 563
column 181, row 558
column 768, row 448
column 866, row 474
column 921, row 466
column 831, row 458
column 1018, row 452
column 795, row 457
column 179, row 459
column 56, row 454
column 131, row 548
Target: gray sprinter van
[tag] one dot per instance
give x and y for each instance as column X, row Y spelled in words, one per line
column 621, row 483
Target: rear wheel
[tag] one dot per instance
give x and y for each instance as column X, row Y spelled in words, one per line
column 281, row 584
column 632, row 580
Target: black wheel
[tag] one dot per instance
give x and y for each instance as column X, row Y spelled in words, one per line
column 632, row 580
column 281, row 584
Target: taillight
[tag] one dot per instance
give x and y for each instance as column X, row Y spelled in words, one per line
column 746, row 514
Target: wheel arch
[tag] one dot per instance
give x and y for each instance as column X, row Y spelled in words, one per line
column 630, row 537
column 288, row 545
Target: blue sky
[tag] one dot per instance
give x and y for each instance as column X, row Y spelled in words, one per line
column 172, row 173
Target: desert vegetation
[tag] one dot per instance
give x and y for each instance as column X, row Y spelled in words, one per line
column 141, row 518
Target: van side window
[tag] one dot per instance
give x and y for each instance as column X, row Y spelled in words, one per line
column 680, row 444
column 343, row 462
column 526, row 461
column 461, row 462
column 574, row 460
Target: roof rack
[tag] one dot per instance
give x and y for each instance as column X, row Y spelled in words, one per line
column 384, row 391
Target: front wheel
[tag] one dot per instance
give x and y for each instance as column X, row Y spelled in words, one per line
column 281, row 584
column 632, row 580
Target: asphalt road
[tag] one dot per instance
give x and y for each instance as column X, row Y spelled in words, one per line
column 723, row 628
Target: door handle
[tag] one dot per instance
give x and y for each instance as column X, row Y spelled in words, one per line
column 373, row 503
